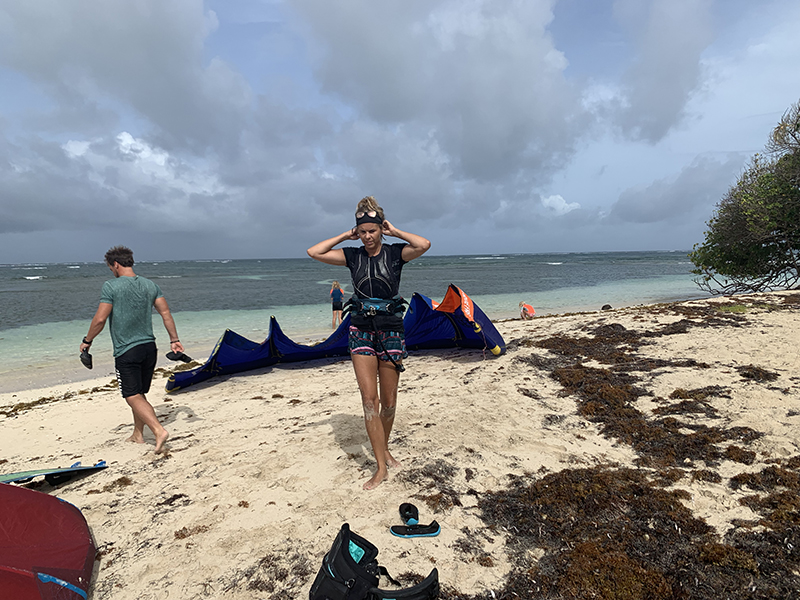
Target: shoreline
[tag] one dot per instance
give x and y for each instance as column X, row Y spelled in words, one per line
column 263, row 467
column 59, row 366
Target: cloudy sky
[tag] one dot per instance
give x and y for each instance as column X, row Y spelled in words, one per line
column 251, row 128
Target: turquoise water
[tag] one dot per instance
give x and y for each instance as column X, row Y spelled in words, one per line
column 47, row 308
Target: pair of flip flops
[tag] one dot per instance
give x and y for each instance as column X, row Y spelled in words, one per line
column 86, row 358
column 412, row 527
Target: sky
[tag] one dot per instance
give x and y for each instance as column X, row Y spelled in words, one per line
column 251, row 128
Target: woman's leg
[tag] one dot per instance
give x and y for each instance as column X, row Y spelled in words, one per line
column 366, row 368
column 388, row 379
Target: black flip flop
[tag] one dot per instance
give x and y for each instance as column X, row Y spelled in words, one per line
column 86, row 359
column 411, row 531
column 409, row 514
column 178, row 356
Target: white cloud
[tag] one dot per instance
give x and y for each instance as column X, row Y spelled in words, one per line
column 556, row 204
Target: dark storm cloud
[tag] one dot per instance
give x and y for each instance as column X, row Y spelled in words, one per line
column 146, row 55
column 93, row 186
column 689, row 196
column 142, row 117
column 482, row 80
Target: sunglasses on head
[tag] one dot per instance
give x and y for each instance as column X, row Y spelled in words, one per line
column 369, row 213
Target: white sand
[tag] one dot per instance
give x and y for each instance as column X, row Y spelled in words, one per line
column 269, row 464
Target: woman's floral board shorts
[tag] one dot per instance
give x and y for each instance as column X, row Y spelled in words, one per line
column 370, row 343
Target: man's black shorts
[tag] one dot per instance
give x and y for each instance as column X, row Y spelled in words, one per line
column 135, row 369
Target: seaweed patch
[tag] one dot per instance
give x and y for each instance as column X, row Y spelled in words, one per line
column 280, row 574
column 436, row 481
column 620, row 533
column 612, row 533
column 755, row 373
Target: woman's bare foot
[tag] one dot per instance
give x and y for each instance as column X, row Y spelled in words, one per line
column 137, row 439
column 392, row 462
column 376, row 480
column 161, row 438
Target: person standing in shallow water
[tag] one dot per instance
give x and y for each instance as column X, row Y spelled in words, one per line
column 127, row 302
column 337, row 297
column 377, row 343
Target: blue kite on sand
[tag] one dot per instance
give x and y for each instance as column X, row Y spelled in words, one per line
column 455, row 322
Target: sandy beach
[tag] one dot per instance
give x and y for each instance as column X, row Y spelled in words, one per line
column 699, row 398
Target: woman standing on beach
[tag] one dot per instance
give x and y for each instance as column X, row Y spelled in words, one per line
column 337, row 297
column 377, row 343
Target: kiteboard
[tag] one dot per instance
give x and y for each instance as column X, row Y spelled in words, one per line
column 52, row 476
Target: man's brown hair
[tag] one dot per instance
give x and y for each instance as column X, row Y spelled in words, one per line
column 121, row 255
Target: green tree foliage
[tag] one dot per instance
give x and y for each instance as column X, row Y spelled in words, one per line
column 753, row 239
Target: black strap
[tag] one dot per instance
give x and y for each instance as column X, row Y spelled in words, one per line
column 398, row 367
column 385, row 573
column 358, row 306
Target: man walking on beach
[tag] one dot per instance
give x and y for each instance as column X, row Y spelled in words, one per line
column 126, row 302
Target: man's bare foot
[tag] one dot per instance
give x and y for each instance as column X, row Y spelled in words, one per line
column 160, row 440
column 392, row 462
column 137, row 439
column 376, row 480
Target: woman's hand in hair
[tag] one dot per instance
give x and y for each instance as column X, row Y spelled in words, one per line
column 417, row 245
column 389, row 229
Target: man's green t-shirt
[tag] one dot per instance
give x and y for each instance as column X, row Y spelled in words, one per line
column 131, row 319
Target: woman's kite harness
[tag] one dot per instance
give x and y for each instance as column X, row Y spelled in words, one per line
column 373, row 307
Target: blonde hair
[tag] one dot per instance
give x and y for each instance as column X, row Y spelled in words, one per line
column 368, row 203
column 335, row 285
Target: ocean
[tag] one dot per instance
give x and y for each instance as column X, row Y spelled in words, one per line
column 46, row 308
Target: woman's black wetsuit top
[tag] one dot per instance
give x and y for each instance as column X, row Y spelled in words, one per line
column 376, row 277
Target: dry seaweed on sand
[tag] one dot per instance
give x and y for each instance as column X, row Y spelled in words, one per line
column 613, row 533
column 470, row 545
column 608, row 398
column 115, row 485
column 740, row 455
column 279, row 574
column 436, row 482
column 792, row 300
column 20, row 407
column 769, row 478
column 755, row 373
column 775, row 543
column 617, row 533
column 701, row 394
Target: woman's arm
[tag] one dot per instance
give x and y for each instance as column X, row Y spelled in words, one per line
column 326, row 253
column 417, row 245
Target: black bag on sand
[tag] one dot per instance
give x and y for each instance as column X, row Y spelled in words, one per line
column 350, row 571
